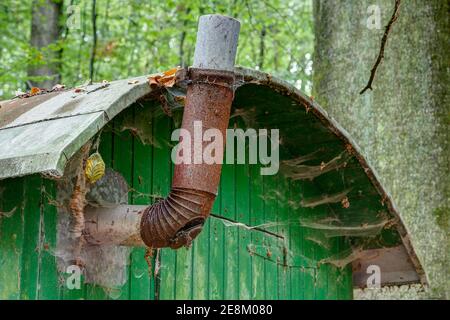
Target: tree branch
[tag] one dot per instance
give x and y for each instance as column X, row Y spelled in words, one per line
column 261, row 48
column 94, row 42
column 383, row 44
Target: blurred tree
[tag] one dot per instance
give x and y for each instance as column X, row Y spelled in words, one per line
column 15, row 50
column 45, row 33
column 139, row 37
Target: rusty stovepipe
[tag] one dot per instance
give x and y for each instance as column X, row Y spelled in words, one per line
column 179, row 218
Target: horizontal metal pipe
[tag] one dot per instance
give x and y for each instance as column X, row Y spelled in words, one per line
column 119, row 225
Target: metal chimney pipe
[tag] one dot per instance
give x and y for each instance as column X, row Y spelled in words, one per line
column 178, row 219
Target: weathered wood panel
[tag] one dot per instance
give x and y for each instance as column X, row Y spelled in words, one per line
column 394, row 263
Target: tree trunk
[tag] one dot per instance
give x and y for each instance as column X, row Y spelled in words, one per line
column 402, row 125
column 94, row 41
column 45, row 31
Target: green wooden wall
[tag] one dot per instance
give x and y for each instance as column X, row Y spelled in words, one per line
column 275, row 261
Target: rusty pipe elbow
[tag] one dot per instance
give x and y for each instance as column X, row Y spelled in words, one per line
column 178, row 219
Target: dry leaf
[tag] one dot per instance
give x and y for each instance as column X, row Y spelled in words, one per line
column 58, row 87
column 171, row 72
column 152, row 81
column 166, row 79
column 168, row 82
column 133, row 81
column 35, row 91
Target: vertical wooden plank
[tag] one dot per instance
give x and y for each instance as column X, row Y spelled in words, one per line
column 29, row 280
column 344, row 277
column 332, row 272
column 200, row 264
column 184, row 274
column 348, row 280
column 231, row 245
column 49, row 286
column 11, row 233
column 141, row 278
column 295, row 286
column 122, row 160
column 309, row 248
column 94, row 292
column 106, row 145
column 283, row 229
column 243, row 216
column 309, row 276
column 321, row 251
column 257, row 218
column 216, row 262
column 296, row 243
column 161, row 185
column 321, row 284
column 270, row 213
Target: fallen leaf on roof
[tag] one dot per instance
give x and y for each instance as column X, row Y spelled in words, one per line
column 58, row 87
column 34, row 91
column 165, row 79
column 78, row 90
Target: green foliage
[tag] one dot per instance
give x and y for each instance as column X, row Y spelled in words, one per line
column 15, row 53
column 139, row 37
